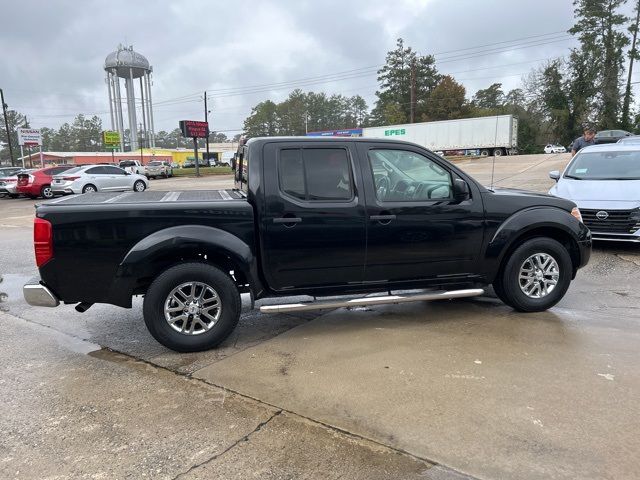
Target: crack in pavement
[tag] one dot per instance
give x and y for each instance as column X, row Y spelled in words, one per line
column 245, row 438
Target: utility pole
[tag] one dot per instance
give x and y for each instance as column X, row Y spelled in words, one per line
column 206, row 119
column 412, row 110
column 632, row 54
column 6, row 126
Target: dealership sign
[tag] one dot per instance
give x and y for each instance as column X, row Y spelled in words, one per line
column 111, row 139
column 194, row 129
column 29, row 136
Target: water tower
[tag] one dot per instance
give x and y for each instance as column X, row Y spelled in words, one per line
column 130, row 65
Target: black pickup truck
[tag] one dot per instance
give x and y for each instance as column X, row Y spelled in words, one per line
column 319, row 217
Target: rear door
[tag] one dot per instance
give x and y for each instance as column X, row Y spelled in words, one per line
column 313, row 220
column 416, row 230
column 99, row 177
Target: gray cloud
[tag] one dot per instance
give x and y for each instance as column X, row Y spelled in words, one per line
column 52, row 52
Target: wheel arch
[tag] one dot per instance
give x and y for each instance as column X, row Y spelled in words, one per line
column 549, row 222
column 186, row 243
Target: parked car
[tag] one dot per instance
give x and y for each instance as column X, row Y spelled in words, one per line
column 158, row 168
column 9, row 171
column 191, row 163
column 610, row 136
column 604, row 181
column 310, row 216
column 98, row 178
column 551, row 148
column 37, row 183
column 631, row 140
column 9, row 185
column 133, row 166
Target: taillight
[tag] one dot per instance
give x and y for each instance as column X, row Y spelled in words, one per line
column 70, row 179
column 42, row 241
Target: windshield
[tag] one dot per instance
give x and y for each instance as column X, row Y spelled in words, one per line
column 155, row 164
column 623, row 165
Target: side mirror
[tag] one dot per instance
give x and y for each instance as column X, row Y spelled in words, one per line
column 460, row 190
column 554, row 175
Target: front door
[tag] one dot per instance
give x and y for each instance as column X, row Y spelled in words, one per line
column 416, row 230
column 313, row 223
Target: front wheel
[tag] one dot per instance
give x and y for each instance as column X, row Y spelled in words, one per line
column 536, row 276
column 192, row 307
column 139, row 186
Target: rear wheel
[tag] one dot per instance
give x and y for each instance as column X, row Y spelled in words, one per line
column 536, row 275
column 89, row 188
column 46, row 192
column 484, row 152
column 192, row 307
column 498, row 152
column 139, row 186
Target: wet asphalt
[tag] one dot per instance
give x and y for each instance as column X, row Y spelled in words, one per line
column 425, row 390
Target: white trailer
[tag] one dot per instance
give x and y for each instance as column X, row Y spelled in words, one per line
column 495, row 135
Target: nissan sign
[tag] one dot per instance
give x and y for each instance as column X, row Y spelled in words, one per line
column 29, row 136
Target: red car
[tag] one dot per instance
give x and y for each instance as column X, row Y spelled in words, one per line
column 38, row 182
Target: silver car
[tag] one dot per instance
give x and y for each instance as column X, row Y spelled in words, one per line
column 98, row 178
column 604, row 181
column 9, row 183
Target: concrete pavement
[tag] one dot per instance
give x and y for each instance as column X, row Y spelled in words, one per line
column 468, row 384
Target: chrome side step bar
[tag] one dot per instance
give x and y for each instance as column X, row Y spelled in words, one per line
column 361, row 302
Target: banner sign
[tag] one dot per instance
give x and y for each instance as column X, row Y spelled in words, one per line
column 350, row 132
column 29, row 136
column 194, row 129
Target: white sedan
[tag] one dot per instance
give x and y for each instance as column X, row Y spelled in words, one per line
column 98, row 178
column 550, row 148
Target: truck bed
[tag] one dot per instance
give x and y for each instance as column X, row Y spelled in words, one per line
column 137, row 198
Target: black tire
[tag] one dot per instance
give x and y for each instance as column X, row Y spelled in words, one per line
column 89, row 188
column 484, row 152
column 137, row 188
column 46, row 192
column 498, row 152
column 166, row 282
column 13, row 195
column 508, row 287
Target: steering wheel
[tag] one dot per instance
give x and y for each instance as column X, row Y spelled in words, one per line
column 382, row 189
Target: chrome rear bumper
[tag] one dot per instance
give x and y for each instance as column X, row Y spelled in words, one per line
column 37, row 295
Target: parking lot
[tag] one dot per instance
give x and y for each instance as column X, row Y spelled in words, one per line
column 450, row 390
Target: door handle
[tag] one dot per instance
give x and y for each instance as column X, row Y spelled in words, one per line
column 287, row 220
column 382, row 218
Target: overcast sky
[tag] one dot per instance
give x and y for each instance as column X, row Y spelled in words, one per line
column 52, row 52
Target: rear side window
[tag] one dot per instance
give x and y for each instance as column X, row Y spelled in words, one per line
column 113, row 170
column 316, row 174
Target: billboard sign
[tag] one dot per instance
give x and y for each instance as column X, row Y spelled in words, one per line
column 110, row 139
column 194, row 129
column 29, row 136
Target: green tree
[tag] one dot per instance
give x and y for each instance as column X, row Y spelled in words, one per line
column 262, row 121
column 218, row 137
column 447, row 101
column 395, row 80
column 597, row 27
column 490, row 98
column 86, row 134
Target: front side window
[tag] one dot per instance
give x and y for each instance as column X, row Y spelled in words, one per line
column 320, row 174
column 405, row 176
column 96, row 171
column 114, row 170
